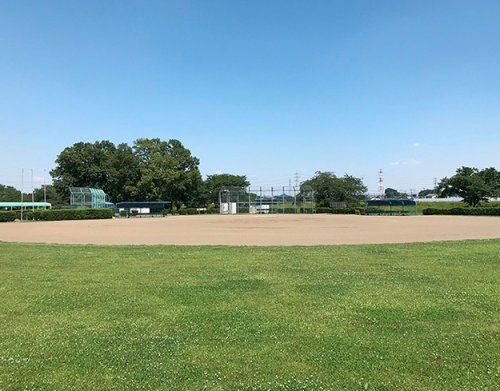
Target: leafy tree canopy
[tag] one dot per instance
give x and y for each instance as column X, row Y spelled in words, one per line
column 215, row 182
column 329, row 188
column 392, row 193
column 9, row 194
column 426, row 192
column 150, row 170
column 50, row 195
column 472, row 184
column 84, row 165
column 167, row 171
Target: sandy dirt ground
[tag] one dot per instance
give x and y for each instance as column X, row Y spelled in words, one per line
column 260, row 230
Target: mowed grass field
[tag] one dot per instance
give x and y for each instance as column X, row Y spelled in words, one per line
column 369, row 317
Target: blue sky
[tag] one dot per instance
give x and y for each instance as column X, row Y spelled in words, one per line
column 262, row 88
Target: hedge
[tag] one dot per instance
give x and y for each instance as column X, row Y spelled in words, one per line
column 340, row 211
column 57, row 214
column 483, row 211
column 7, row 216
column 288, row 210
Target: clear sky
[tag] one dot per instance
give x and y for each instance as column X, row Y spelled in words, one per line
column 262, row 88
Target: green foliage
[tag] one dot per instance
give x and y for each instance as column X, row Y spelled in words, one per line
column 150, row 170
column 8, row 216
column 341, row 211
column 371, row 317
column 472, row 184
column 329, row 188
column 123, row 174
column 426, row 192
column 392, row 193
column 188, row 211
column 9, row 194
column 57, row 214
column 211, row 209
column 168, row 171
column 483, row 211
column 100, row 165
column 51, row 194
column 215, row 182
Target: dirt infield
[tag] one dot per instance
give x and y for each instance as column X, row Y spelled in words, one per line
column 260, row 230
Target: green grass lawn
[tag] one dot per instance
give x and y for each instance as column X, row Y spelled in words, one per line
column 376, row 317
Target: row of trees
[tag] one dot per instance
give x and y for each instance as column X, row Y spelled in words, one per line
column 153, row 169
column 11, row 194
column 149, row 170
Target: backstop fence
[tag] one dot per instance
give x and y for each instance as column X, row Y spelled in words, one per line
column 266, row 200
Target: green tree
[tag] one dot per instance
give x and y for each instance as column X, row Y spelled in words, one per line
column 168, row 171
column 329, row 188
column 51, row 195
column 491, row 176
column 101, row 165
column 83, row 165
column 215, row 182
column 9, row 194
column 124, row 174
column 472, row 184
column 392, row 193
column 426, row 192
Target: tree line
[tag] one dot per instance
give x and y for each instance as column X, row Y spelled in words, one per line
column 473, row 185
column 154, row 169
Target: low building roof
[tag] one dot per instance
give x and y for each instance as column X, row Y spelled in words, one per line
column 24, row 204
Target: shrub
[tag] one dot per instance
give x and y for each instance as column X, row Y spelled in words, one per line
column 73, row 214
column 211, row 209
column 340, row 211
column 482, row 211
column 188, row 211
column 7, row 216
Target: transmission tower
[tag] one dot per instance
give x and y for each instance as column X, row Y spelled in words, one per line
column 296, row 178
column 381, row 188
